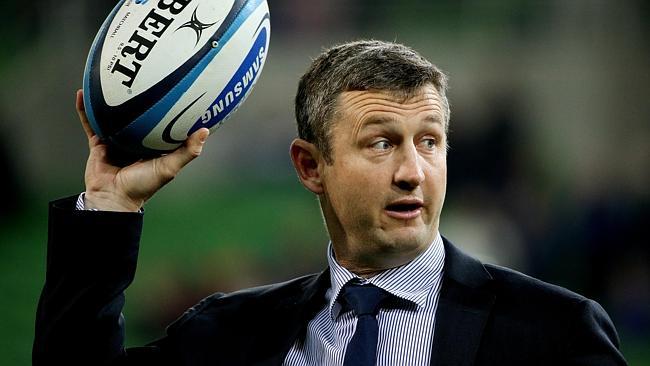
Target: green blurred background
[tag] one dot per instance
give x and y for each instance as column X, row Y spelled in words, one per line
column 548, row 169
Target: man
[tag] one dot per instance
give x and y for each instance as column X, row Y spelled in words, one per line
column 372, row 120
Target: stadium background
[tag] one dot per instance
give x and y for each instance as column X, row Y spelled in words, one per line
column 548, row 169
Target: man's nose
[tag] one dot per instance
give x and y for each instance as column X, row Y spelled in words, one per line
column 409, row 173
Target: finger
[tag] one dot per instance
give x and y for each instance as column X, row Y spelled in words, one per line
column 172, row 163
column 81, row 111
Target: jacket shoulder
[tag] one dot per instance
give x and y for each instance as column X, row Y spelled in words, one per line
column 548, row 320
column 231, row 306
column 508, row 282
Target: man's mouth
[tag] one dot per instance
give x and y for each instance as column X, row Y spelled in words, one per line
column 405, row 209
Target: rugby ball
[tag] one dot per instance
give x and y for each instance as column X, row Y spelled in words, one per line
column 158, row 70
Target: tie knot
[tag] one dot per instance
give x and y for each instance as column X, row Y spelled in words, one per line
column 363, row 299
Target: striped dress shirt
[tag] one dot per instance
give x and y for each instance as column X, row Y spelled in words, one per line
column 405, row 332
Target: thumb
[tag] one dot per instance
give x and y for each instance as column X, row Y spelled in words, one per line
column 172, row 163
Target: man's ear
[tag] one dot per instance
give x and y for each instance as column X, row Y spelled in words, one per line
column 306, row 160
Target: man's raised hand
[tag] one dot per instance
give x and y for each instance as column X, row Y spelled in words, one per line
column 110, row 187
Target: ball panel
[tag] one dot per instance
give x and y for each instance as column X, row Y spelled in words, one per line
column 234, row 65
column 145, row 43
column 238, row 87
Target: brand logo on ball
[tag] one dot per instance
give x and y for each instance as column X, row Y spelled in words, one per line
column 238, row 86
column 144, row 39
column 231, row 96
column 197, row 26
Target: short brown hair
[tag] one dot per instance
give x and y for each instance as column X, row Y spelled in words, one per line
column 359, row 65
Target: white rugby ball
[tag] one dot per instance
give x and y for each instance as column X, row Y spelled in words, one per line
column 158, row 70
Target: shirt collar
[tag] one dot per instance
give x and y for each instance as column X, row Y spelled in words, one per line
column 412, row 281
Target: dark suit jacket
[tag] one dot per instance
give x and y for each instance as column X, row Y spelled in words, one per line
column 487, row 315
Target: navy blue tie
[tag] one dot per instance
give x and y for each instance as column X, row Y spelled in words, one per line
column 365, row 300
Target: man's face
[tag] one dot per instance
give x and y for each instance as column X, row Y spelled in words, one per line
column 385, row 187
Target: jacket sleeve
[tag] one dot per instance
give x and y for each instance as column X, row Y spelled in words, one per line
column 91, row 260
column 593, row 339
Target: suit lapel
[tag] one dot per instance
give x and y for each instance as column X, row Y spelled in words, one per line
column 463, row 309
column 293, row 314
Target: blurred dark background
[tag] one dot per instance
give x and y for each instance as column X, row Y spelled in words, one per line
column 549, row 165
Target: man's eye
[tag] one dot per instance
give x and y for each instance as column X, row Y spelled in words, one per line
column 428, row 143
column 381, row 145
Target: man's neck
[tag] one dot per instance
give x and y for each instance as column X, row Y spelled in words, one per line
column 372, row 265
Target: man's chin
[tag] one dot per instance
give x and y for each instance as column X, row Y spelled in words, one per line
column 407, row 240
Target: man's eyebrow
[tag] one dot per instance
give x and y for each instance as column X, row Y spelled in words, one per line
column 433, row 118
column 378, row 120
